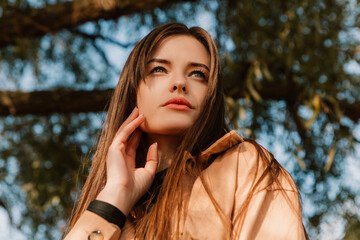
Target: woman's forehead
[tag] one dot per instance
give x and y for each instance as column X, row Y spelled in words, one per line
column 181, row 47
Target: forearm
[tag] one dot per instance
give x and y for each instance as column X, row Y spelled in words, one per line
column 88, row 224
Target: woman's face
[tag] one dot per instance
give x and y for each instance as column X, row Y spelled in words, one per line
column 175, row 85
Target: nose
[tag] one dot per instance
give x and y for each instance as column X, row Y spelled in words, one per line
column 178, row 85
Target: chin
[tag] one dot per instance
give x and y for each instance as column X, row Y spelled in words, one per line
column 166, row 128
column 171, row 123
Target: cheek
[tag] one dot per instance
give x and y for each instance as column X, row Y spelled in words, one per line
column 200, row 93
column 145, row 108
column 142, row 97
column 147, row 103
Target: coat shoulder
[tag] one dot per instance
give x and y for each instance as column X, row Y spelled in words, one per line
column 247, row 154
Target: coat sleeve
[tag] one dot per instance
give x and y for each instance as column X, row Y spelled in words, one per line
column 88, row 224
column 273, row 211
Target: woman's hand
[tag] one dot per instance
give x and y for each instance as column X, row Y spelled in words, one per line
column 125, row 183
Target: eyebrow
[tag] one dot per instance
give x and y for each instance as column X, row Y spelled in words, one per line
column 159, row 60
column 193, row 64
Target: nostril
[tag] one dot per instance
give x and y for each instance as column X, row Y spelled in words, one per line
column 175, row 87
column 183, row 89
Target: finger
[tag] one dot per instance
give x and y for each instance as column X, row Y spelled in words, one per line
column 134, row 114
column 134, row 143
column 152, row 159
column 125, row 133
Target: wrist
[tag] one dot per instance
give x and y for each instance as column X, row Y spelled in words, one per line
column 108, row 212
column 118, row 197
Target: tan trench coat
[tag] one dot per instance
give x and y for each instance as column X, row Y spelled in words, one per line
column 271, row 214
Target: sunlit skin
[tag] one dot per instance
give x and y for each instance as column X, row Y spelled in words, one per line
column 178, row 68
column 169, row 100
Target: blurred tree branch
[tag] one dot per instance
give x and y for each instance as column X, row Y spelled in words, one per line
column 19, row 103
column 53, row 101
column 17, row 24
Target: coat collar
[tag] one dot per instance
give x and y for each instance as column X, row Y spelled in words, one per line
column 225, row 142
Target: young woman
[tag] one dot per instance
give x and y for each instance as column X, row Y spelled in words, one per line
column 166, row 165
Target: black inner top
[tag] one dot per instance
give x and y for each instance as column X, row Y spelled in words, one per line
column 154, row 189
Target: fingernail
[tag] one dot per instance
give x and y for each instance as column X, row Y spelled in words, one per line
column 135, row 108
column 141, row 115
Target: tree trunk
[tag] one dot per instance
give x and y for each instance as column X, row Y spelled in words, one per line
column 17, row 24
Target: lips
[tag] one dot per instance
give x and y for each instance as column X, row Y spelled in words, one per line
column 178, row 103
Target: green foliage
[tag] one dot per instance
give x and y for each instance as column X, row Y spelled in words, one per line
column 43, row 155
column 353, row 228
column 305, row 44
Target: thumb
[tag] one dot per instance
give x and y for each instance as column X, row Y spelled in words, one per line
column 152, row 159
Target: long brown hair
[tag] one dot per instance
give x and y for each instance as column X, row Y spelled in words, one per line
column 153, row 223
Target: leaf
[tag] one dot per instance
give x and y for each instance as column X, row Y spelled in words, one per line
column 316, row 103
column 254, row 93
column 242, row 112
column 334, row 107
column 330, row 158
column 266, row 73
column 252, row 90
column 300, row 162
column 257, row 70
column 310, row 121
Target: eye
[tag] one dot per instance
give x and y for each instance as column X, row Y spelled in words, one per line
column 158, row 69
column 198, row 74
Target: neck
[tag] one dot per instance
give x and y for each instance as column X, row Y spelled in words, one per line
column 167, row 147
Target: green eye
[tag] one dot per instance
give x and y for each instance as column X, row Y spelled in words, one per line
column 157, row 70
column 198, row 74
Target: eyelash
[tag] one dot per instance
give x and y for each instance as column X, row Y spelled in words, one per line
column 162, row 69
column 158, row 68
column 201, row 72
